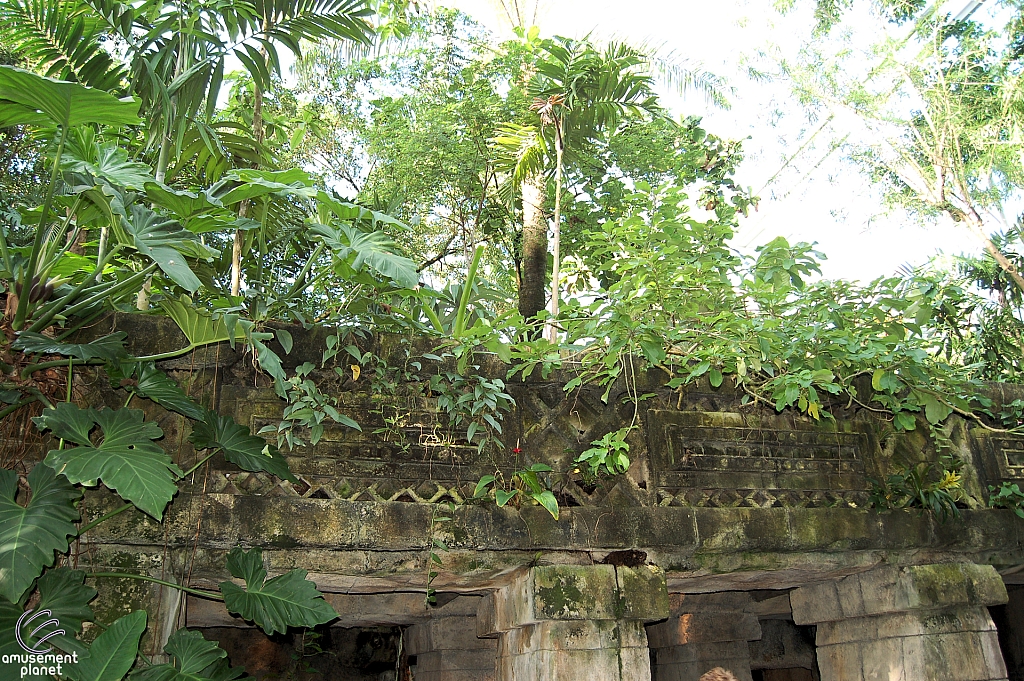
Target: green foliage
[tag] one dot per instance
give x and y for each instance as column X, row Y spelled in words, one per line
column 246, row 451
column 159, row 387
column 923, row 485
column 524, row 484
column 26, row 98
column 30, row 534
column 783, row 340
column 606, row 456
column 61, row 591
column 434, row 561
column 1007, row 495
column 273, row 604
column 125, row 458
column 193, row 658
column 109, row 347
column 113, row 652
column 308, row 407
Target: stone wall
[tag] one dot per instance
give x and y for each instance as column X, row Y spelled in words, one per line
column 679, row 565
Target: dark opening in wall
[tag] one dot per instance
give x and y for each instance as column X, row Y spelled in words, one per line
column 1009, row 620
column 785, row 652
column 793, row 674
column 322, row 654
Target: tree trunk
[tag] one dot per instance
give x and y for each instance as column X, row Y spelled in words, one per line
column 556, row 242
column 535, row 247
column 976, row 225
column 257, row 134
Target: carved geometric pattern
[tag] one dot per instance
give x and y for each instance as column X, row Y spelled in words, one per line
column 1012, row 450
column 317, row 487
column 762, row 498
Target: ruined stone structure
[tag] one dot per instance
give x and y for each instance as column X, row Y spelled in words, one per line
column 739, row 538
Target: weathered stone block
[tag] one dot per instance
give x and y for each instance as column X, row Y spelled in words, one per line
column 448, row 633
column 573, row 635
column 700, row 627
column 481, row 661
column 576, row 592
column 603, row 664
column 898, row 589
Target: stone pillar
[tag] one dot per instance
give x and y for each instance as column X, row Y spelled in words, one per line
column 703, row 631
column 570, row 622
column 447, row 649
column 921, row 623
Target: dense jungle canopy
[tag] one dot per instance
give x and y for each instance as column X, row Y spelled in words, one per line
column 384, row 166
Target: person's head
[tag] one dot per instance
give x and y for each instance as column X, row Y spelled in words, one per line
column 718, row 674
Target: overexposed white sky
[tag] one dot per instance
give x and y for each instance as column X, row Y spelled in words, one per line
column 818, row 197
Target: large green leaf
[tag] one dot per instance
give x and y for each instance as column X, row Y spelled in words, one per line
column 163, row 240
column 354, row 213
column 181, row 203
column 375, row 250
column 24, row 95
column 197, row 325
column 194, row 659
column 252, row 184
column 197, row 211
column 30, row 534
column 288, row 600
column 126, row 458
column 109, row 347
column 64, row 595
column 240, row 447
column 159, row 387
column 113, row 652
column 109, row 162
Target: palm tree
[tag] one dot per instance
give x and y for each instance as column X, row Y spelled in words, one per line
column 581, row 95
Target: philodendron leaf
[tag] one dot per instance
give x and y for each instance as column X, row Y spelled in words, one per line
column 159, row 387
column 162, row 240
column 109, row 347
column 240, row 447
column 109, row 162
column 63, row 596
column 30, row 534
column 23, row 95
column 198, row 326
column 195, row 659
column 126, row 458
column 113, row 652
column 374, row 250
column 288, row 600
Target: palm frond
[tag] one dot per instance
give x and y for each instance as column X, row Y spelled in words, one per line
column 62, row 39
column 519, row 151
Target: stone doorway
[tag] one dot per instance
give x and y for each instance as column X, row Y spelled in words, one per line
column 1009, row 620
column 322, row 654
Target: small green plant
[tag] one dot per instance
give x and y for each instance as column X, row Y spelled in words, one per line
column 923, row 485
column 434, row 561
column 606, row 456
column 1007, row 495
column 523, row 484
column 307, row 407
column 1012, row 414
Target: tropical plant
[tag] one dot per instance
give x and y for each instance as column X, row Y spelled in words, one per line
column 1007, row 495
column 923, row 485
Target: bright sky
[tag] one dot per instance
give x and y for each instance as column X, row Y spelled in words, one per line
column 829, row 202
